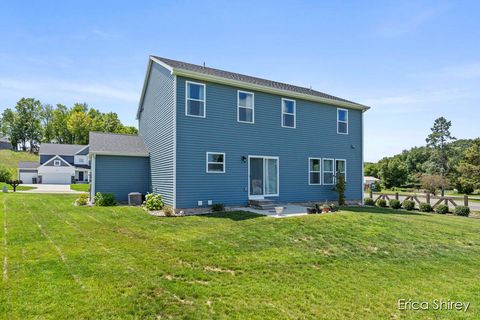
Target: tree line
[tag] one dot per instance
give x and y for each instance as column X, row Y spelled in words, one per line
column 444, row 162
column 31, row 123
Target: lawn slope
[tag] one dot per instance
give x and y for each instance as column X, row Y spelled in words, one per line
column 87, row 262
column 10, row 159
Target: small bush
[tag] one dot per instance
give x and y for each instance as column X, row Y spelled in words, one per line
column 382, row 203
column 82, row 200
column 104, row 199
column 441, row 209
column 333, row 207
column 425, row 207
column 218, row 207
column 462, row 211
column 153, row 202
column 168, row 211
column 408, row 205
column 5, row 174
column 395, row 204
column 369, row 202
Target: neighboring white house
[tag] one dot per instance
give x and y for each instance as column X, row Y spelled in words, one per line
column 368, row 181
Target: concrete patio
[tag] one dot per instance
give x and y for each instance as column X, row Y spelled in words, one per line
column 290, row 210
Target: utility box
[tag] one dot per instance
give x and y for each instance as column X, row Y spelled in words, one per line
column 134, row 199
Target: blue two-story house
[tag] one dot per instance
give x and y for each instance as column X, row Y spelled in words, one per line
column 211, row 136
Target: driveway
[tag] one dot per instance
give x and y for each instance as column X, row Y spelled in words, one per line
column 49, row 188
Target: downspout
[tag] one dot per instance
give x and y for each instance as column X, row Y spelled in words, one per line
column 92, row 182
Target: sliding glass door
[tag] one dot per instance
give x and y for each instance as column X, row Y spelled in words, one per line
column 263, row 176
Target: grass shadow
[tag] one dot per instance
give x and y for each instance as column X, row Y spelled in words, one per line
column 372, row 209
column 233, row 215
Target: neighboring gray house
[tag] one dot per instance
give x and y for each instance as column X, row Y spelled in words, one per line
column 215, row 136
column 59, row 164
column 5, row 144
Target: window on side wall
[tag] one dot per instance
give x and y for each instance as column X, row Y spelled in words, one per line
column 328, row 171
column 215, row 162
column 342, row 121
column 195, row 99
column 288, row 113
column 314, row 170
column 341, row 168
column 245, row 107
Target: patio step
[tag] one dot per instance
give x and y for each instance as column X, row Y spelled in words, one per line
column 262, row 204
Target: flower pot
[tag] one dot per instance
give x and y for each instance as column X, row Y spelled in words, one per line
column 325, row 210
column 278, row 210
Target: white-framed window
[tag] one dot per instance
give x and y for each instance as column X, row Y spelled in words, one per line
column 342, row 121
column 245, row 107
column 57, row 163
column 328, row 171
column 288, row 113
column 314, row 171
column 215, row 162
column 341, row 168
column 195, row 99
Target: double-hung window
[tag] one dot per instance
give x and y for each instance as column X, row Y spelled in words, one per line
column 314, row 170
column 341, row 168
column 215, row 162
column 245, row 107
column 328, row 171
column 342, row 121
column 195, row 99
column 288, row 113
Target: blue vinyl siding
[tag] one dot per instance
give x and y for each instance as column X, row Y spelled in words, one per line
column 121, row 175
column 44, row 158
column 315, row 135
column 157, row 126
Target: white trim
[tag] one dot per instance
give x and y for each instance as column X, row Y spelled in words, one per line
column 338, row 120
column 92, row 179
column 257, row 87
column 204, row 99
column 174, row 205
column 77, row 154
column 262, row 196
column 207, row 162
column 332, row 172
column 57, row 163
column 163, row 64
column 53, row 158
column 144, row 88
column 107, row 153
column 345, row 161
column 294, row 113
column 251, row 108
column 319, row 172
column 363, row 172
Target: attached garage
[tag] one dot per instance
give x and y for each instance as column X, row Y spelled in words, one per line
column 28, row 176
column 56, row 178
column 56, row 171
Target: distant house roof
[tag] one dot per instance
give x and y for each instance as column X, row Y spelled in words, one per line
column 4, row 139
column 28, row 165
column 211, row 74
column 370, row 178
column 60, row 149
column 117, row 144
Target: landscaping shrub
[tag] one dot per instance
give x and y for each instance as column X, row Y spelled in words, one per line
column 153, row 202
column 369, row 202
column 382, row 203
column 462, row 211
column 104, row 199
column 5, row 174
column 168, row 211
column 408, row 205
column 218, row 207
column 333, row 207
column 395, row 204
column 425, row 207
column 441, row 209
column 82, row 200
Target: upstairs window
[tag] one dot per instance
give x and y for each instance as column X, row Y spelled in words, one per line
column 341, row 168
column 314, row 171
column 328, row 171
column 195, row 99
column 288, row 113
column 342, row 121
column 215, row 162
column 57, row 163
column 245, row 105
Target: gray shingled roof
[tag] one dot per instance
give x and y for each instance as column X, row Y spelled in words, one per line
column 248, row 79
column 117, row 144
column 60, row 149
column 28, row 165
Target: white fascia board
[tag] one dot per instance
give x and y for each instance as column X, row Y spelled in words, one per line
column 104, row 153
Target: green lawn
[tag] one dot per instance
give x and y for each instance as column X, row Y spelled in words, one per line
column 66, row 262
column 80, row 187
column 10, row 158
column 19, row 188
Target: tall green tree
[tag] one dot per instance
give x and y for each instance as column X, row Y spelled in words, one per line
column 438, row 140
column 61, row 134
column 78, row 124
column 10, row 127
column 47, row 123
column 469, row 169
column 393, row 172
column 29, row 113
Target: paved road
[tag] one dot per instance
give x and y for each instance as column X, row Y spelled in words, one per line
column 474, row 206
column 49, row 188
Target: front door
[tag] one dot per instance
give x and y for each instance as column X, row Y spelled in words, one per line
column 80, row 176
column 263, row 177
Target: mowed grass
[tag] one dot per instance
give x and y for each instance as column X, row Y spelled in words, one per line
column 66, row 262
column 10, row 159
column 19, row 188
column 80, row 187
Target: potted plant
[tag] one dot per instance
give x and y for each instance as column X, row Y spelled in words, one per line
column 325, row 208
column 279, row 210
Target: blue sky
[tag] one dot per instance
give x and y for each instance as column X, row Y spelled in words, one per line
column 411, row 61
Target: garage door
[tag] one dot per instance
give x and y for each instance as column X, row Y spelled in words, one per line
column 27, row 177
column 56, row 178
